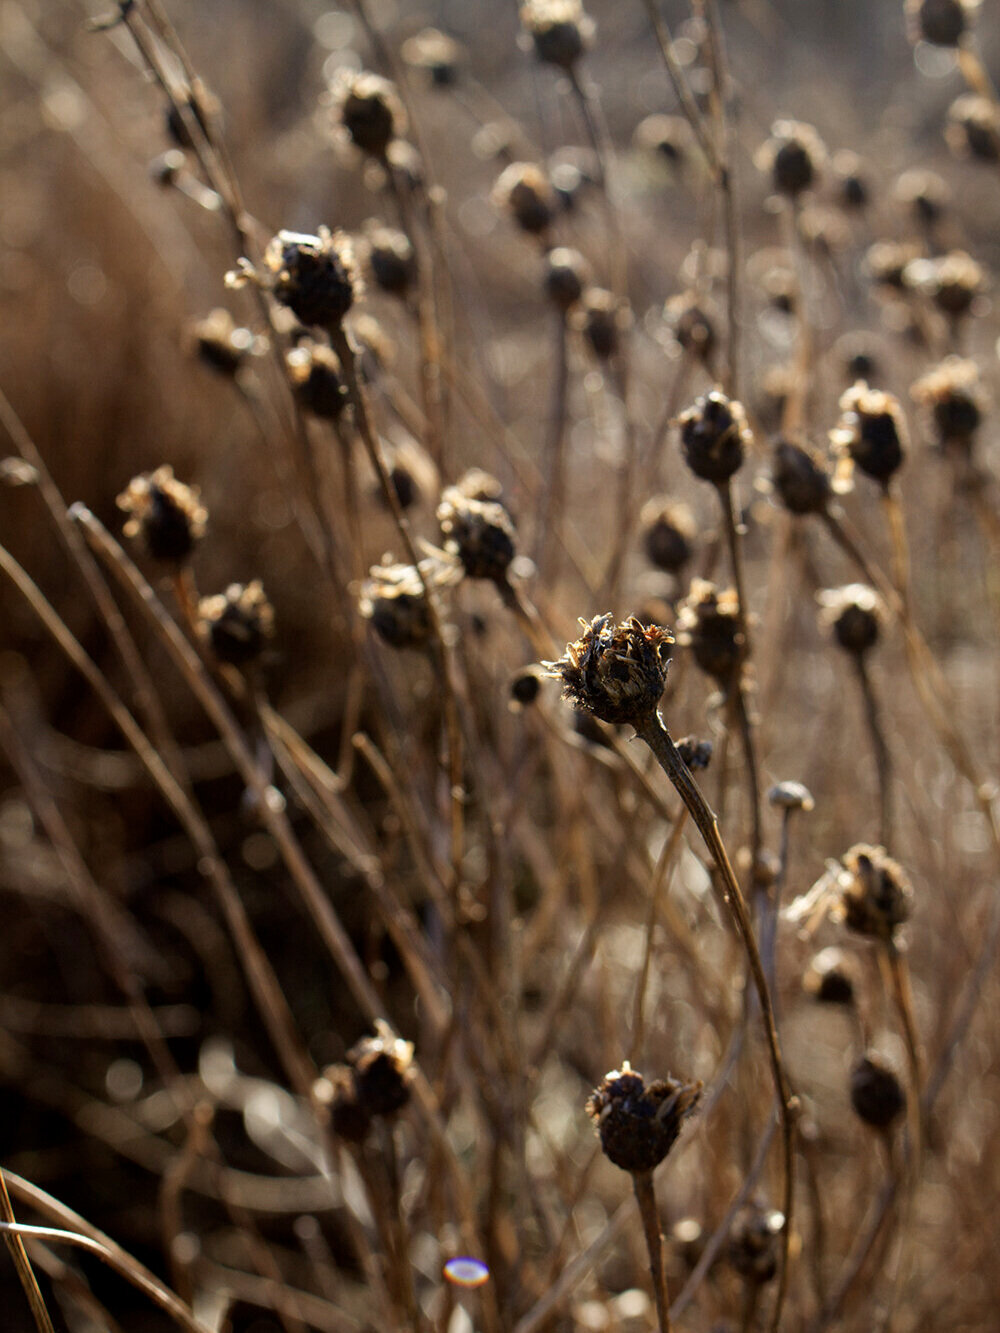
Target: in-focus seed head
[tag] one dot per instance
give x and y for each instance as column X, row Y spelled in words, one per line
column 559, row 29
column 315, row 375
column 368, row 108
column 220, row 344
column 668, row 530
column 855, row 614
column 922, row 193
column 708, row 622
column 714, row 436
column 794, row 156
column 830, row 977
column 525, row 192
column 436, row 53
column 237, row 623
column 691, row 326
column 615, row 672
column 974, row 128
column 697, row 754
column 800, row 478
column 637, row 1123
column 478, row 531
column 390, row 259
column 382, row 1068
column 567, row 274
column 393, row 599
column 876, row 1093
column 940, row 22
column 871, row 433
column 754, row 1246
column 167, row 516
column 316, row 277
column 951, row 392
column 791, row 795
column 602, row 320
column 876, row 896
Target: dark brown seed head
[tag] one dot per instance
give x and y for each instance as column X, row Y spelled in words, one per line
column 382, row 1067
column 616, row 672
column 368, row 108
column 637, row 1123
column 708, row 622
column 220, row 344
column 316, row 379
column 871, row 432
column 668, row 137
column 714, row 436
column 315, row 276
column 855, row 614
column 349, row 1117
column 940, row 22
column 830, row 977
column 922, row 193
column 390, row 259
column 794, row 156
column 853, row 190
column 951, row 393
column 559, row 29
column 167, row 516
column 237, row 623
column 974, row 128
column 876, row 896
column 668, row 530
column 394, row 600
column 697, row 754
column 886, row 262
column 857, row 354
column 952, row 281
column 754, row 1247
column 566, row 276
column 800, row 478
column 478, row 531
column 691, row 326
column 876, row 1093
column 602, row 320
column 525, row 192
column 525, row 686
column 437, row 54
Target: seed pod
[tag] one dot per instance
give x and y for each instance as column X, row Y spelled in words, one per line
column 166, row 515
column 437, row 54
column 524, row 191
column 697, row 754
column 602, row 320
column 794, row 156
column 315, row 276
column 559, row 29
column 368, row 109
column 754, row 1247
column 855, row 613
column 708, row 623
column 952, row 394
column 237, row 623
column 714, row 436
column 800, row 478
column 315, row 374
column 830, row 977
column 393, row 599
column 668, row 530
column 791, row 796
column 479, row 532
column 349, row 1118
column 390, row 259
column 871, row 432
column 940, row 22
column 382, row 1068
column 974, row 128
column 615, row 672
column 220, row 344
column 876, row 896
column 876, row 1093
column 566, row 275
column 691, row 326
column 637, row 1123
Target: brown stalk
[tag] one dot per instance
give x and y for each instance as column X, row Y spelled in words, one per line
column 645, row 1197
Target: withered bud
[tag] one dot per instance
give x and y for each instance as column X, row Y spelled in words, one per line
column 855, row 614
column 708, row 622
column 886, row 262
column 871, row 433
column 525, row 192
column 714, row 436
column 922, row 193
column 436, row 53
column 237, row 623
column 389, row 258
column 315, row 276
column 602, row 320
column 853, row 190
column 794, row 156
column 315, row 375
column 754, row 1247
column 800, row 478
column 394, row 600
column 368, row 108
column 791, row 795
column 566, row 276
column 952, row 393
column 830, row 977
column 876, row 896
column 166, row 515
column 876, row 1093
column 952, row 281
column 559, row 29
column 479, row 532
column 668, row 530
column 940, row 22
column 525, row 686
column 691, row 326
column 616, row 672
column 974, row 128
column 637, row 1123
column 382, row 1068
column 697, row 754
column 219, row 343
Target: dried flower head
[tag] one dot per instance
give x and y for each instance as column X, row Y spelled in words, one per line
column 952, row 281
column 220, row 343
column 437, row 54
column 800, row 478
column 559, row 29
column 668, row 137
column 876, row 896
column 876, row 1093
column 691, row 325
column 794, row 156
column 940, row 22
column 951, row 392
column 164, row 513
column 382, row 1068
column 525, row 686
column 855, row 613
column 974, row 128
column 237, row 623
column 316, row 378
column 567, row 274
column 754, row 1247
column 830, row 977
column 616, row 672
column 637, row 1123
column 349, row 1118
column 389, row 258
column 697, row 754
column 479, row 531
column 602, row 319
column 394, row 600
column 922, row 193
column 668, row 530
column 368, row 109
column 857, row 354
column 886, row 261
column 525, row 192
column 708, row 622
column 853, row 190
column 870, row 434
column 315, row 276
column 714, row 436
column 791, row 795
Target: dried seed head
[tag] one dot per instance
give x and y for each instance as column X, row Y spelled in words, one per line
column 393, row 599
column 855, row 613
column 615, row 672
column 824, row 229
column 668, row 137
column 940, row 22
column 830, row 977
column 368, row 108
column 886, row 262
column 478, row 531
column 800, row 478
column 315, row 375
column 871, row 433
column 858, row 357
column 315, row 276
column 668, row 530
column 525, row 192
column 559, row 29
column 794, row 156
column 780, row 287
column 922, row 193
column 219, row 343
column 382, row 1067
column 708, row 622
column 697, row 754
column 436, row 53
column 754, row 1247
column 602, row 320
column 876, row 896
column 237, row 623
column 349, row 1118
column 791, row 796
column 772, row 392
column 637, row 1123
column 525, row 686
column 691, row 326
column 952, row 281
column 876, row 1093
column 165, row 514
column 714, row 436
column 853, row 191
column 389, row 258
column 952, row 393
column 566, row 275
column 974, row 128
column 202, row 105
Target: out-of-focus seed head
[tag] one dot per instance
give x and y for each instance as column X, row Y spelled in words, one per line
column 772, row 391
column 791, row 795
column 389, row 258
column 886, row 262
column 940, row 22
column 951, row 392
column 393, row 599
column 315, row 276
column 349, row 1117
column 382, row 1067
column 870, row 434
column 368, row 109
column 668, row 138
column 478, row 531
column 708, row 622
column 165, row 514
column 780, row 288
column 602, row 320
column 831, row 977
column 525, row 686
column 794, row 156
column 922, row 193
column 697, row 754
column 525, row 192
column 754, row 1246
column 876, row 896
column 638, row 1123
column 687, row 1239
column 876, row 1093
column 437, row 54
column 714, row 436
column 559, row 29
column 952, row 281
column 668, row 531
column 567, row 274
column 857, row 355
column 615, row 672
column 692, row 326
column 237, row 623
column 855, row 614
column 316, row 378
column 202, row 105
column 974, row 128
column 853, row 190
column 800, row 478
column 220, row 343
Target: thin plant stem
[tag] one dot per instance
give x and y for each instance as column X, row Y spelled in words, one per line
column 880, row 749
column 645, row 1197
